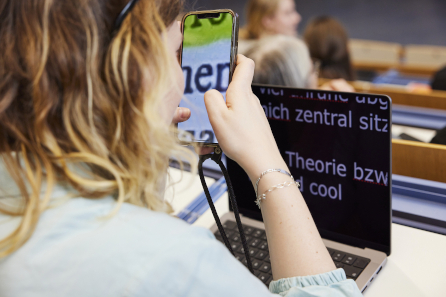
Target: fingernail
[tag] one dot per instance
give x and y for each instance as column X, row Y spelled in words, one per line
column 184, row 113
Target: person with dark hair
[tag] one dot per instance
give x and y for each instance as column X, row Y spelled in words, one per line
column 327, row 41
column 440, row 137
column 439, row 83
column 439, row 80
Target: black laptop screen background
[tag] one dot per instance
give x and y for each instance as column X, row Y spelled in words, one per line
column 337, row 145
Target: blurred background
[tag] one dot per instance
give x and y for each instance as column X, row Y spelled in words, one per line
column 401, row 21
column 394, row 47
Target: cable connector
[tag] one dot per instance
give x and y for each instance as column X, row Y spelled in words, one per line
column 217, row 154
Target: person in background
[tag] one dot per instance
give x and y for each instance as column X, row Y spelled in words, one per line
column 439, row 83
column 439, row 80
column 285, row 61
column 268, row 17
column 327, row 41
column 440, row 137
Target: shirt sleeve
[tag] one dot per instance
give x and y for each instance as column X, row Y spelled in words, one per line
column 202, row 266
column 333, row 283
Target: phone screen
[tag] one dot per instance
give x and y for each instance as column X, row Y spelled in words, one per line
column 206, row 63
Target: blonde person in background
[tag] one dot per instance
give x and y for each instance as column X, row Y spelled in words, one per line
column 268, row 17
column 87, row 105
column 285, row 61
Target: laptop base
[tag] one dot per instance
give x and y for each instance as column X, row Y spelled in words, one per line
column 366, row 263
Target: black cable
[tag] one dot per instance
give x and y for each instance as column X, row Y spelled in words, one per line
column 122, row 15
column 216, row 157
column 211, row 203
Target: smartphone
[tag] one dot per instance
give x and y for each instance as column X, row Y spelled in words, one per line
column 208, row 57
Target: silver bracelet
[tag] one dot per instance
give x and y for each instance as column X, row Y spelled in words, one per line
column 278, row 186
column 269, row 171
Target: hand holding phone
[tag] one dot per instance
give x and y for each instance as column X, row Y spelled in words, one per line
column 241, row 125
column 208, row 57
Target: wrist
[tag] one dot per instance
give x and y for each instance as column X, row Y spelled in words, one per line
column 255, row 169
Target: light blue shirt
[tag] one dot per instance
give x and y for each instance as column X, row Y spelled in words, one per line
column 76, row 251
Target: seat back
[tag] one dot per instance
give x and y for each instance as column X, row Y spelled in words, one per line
column 425, row 56
column 418, row 159
column 400, row 95
column 372, row 52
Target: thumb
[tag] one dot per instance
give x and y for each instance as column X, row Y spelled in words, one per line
column 215, row 105
column 244, row 72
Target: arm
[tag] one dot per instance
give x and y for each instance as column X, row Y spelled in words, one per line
column 245, row 136
column 295, row 245
column 340, row 85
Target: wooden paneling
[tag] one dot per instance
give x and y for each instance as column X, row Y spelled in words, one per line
column 418, row 159
column 425, row 55
column 370, row 51
column 399, row 95
column 434, row 99
column 418, row 70
column 420, row 60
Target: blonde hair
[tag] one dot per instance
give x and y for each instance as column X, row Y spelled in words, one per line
column 281, row 60
column 74, row 97
column 256, row 11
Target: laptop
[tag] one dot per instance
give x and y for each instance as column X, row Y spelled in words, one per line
column 338, row 146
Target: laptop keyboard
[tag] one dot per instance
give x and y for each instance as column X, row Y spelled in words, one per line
column 258, row 249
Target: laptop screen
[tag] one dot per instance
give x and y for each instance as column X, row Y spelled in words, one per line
column 338, row 146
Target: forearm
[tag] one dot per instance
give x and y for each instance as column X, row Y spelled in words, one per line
column 245, row 136
column 295, row 246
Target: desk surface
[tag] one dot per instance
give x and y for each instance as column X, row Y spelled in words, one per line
column 416, row 267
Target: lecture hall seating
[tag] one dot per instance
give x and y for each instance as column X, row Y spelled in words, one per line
column 429, row 163
column 425, row 56
column 375, row 55
column 401, row 96
column 422, row 60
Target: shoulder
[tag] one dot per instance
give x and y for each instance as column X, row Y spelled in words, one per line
column 76, row 243
column 131, row 227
